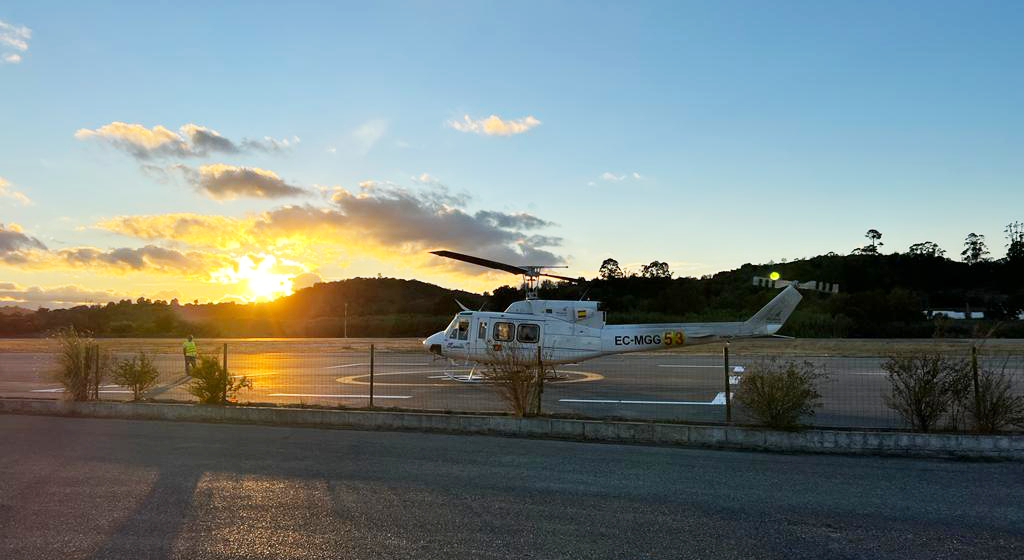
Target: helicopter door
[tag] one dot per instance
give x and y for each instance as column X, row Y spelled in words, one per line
column 528, row 337
column 479, row 336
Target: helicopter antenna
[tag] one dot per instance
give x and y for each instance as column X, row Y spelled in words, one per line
column 531, row 273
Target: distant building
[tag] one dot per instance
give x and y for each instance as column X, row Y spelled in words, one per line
column 949, row 314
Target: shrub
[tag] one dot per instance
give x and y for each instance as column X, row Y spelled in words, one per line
column 516, row 375
column 925, row 387
column 779, row 394
column 211, row 384
column 997, row 407
column 137, row 373
column 81, row 365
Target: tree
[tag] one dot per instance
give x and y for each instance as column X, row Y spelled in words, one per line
column 926, row 249
column 779, row 394
column 871, row 248
column 656, row 269
column 975, row 250
column 610, row 269
column 138, row 374
column 1015, row 241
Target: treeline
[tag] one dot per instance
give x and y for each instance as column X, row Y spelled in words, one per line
column 881, row 295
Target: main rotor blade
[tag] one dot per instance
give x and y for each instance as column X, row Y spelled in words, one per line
column 483, row 262
column 576, row 280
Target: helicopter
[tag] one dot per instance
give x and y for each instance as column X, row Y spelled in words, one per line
column 568, row 331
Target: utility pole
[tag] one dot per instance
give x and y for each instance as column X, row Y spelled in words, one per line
column 346, row 319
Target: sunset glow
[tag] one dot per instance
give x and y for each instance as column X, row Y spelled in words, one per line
column 257, row 278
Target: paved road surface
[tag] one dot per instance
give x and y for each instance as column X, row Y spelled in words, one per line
column 88, row 488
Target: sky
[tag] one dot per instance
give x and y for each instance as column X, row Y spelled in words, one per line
column 220, row 151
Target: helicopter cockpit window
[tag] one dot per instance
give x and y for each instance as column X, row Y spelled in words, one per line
column 504, row 332
column 453, row 328
column 528, row 333
column 463, row 329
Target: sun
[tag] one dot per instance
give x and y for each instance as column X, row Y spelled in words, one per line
column 258, row 279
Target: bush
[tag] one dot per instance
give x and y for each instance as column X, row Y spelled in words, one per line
column 81, row 365
column 211, row 384
column 137, row 373
column 779, row 394
column 997, row 407
column 516, row 375
column 926, row 387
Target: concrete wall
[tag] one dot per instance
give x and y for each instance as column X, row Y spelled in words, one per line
column 728, row 437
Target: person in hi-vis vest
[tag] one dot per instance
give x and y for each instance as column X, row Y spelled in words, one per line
column 189, row 349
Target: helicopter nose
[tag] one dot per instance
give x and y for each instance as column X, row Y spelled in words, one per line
column 433, row 342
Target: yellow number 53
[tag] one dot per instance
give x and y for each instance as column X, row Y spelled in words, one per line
column 676, row 338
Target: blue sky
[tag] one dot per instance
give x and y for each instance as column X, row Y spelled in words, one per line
column 705, row 134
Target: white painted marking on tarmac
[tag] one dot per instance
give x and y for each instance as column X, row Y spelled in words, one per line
column 255, row 374
column 720, row 398
column 717, row 401
column 735, row 369
column 61, row 390
column 380, row 364
column 340, row 396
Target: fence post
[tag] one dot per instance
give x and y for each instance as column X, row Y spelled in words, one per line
column 96, row 372
column 227, row 380
column 540, row 377
column 728, row 389
column 371, row 376
column 974, row 376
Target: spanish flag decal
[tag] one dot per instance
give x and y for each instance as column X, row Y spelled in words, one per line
column 581, row 313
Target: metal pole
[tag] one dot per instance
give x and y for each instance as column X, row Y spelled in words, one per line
column 346, row 320
column 540, row 379
column 728, row 389
column 96, row 373
column 224, row 397
column 974, row 375
column 371, row 376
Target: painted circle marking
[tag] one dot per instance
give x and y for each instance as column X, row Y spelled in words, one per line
column 583, row 377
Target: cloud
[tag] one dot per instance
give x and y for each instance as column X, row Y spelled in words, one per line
column 13, row 38
column 56, row 296
column 149, row 258
column 191, row 140
column 227, row 182
column 305, row 280
column 494, row 125
column 7, row 192
column 617, row 177
column 369, row 133
column 416, row 220
column 16, row 247
column 197, row 230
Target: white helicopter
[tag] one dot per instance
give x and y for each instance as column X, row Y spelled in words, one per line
column 567, row 331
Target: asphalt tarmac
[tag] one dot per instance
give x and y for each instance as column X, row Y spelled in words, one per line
column 112, row 489
column 660, row 386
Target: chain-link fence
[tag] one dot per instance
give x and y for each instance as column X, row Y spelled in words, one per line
column 661, row 386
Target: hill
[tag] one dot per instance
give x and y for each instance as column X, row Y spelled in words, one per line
column 881, row 296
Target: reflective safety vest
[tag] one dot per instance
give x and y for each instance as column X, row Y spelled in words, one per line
column 190, row 348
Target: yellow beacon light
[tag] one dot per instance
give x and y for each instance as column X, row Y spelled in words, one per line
column 774, row 276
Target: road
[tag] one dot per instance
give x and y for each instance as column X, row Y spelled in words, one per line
column 89, row 488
